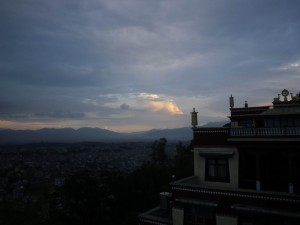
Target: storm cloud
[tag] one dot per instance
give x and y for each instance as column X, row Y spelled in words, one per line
column 133, row 65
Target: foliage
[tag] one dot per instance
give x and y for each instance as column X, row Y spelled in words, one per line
column 148, row 181
column 91, row 198
column 158, row 150
column 12, row 214
column 184, row 165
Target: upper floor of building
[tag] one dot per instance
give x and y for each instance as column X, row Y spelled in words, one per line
column 278, row 122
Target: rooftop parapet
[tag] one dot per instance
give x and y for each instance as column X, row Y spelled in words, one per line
column 211, row 136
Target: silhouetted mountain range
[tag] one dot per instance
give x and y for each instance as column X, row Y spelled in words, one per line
column 95, row 134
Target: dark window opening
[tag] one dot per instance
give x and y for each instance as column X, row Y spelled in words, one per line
column 217, row 170
column 246, row 123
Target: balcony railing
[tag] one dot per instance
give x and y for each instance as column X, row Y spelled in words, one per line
column 264, row 132
column 219, row 136
column 192, row 188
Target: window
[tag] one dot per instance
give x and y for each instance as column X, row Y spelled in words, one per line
column 217, row 170
column 246, row 123
column 217, row 165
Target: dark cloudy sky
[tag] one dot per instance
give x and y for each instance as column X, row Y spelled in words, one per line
column 129, row 65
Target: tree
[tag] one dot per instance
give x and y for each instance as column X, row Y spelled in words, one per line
column 158, row 150
column 183, row 161
column 82, row 199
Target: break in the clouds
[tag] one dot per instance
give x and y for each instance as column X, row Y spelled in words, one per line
column 145, row 102
column 133, row 65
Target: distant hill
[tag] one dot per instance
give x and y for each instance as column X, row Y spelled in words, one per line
column 96, row 134
column 182, row 134
column 216, row 124
column 59, row 135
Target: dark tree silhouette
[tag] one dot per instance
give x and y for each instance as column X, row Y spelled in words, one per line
column 159, row 150
column 184, row 164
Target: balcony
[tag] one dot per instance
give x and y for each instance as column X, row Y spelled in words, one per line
column 221, row 136
column 191, row 188
column 265, row 132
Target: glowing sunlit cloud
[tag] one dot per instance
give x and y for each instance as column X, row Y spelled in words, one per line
column 157, row 103
column 167, row 106
column 148, row 101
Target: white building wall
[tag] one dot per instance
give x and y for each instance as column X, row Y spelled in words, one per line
column 178, row 216
column 199, row 167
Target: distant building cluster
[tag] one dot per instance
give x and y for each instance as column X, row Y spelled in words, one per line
column 26, row 169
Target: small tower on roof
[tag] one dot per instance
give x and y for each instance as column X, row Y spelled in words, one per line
column 231, row 101
column 194, row 118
